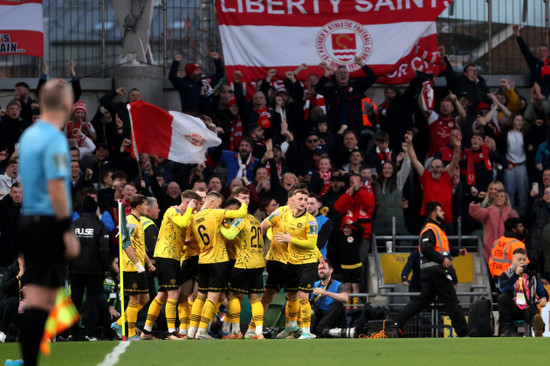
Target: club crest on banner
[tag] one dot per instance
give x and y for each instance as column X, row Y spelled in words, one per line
column 338, row 43
column 196, row 139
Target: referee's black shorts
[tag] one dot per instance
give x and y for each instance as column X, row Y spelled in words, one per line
column 168, row 272
column 41, row 241
column 300, row 277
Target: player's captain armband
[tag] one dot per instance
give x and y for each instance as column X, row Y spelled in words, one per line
column 313, row 227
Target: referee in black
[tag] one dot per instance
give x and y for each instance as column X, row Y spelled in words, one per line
column 437, row 272
column 45, row 236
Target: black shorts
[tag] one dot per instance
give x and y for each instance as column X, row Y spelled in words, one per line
column 41, row 241
column 135, row 283
column 168, row 271
column 276, row 275
column 352, row 275
column 189, row 269
column 300, row 277
column 213, row 276
column 246, row 280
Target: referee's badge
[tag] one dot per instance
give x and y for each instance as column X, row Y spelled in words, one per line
column 60, row 162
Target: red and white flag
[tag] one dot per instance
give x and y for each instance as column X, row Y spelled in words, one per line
column 258, row 35
column 21, row 27
column 172, row 135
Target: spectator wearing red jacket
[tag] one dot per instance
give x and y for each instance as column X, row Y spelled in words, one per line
column 436, row 182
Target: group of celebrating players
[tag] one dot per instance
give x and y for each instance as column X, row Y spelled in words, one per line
column 220, row 245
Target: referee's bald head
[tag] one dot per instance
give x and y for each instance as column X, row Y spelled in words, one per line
column 56, row 96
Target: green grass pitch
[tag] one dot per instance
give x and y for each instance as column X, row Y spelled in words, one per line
column 337, row 352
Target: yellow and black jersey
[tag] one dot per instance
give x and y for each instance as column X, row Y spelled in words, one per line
column 303, row 229
column 171, row 236
column 135, row 229
column 277, row 251
column 230, row 244
column 205, row 226
column 191, row 246
column 248, row 243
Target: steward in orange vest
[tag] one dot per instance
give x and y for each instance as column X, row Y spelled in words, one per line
column 438, row 275
column 503, row 248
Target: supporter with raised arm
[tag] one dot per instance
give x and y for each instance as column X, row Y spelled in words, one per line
column 118, row 109
column 436, row 182
column 441, row 124
column 195, row 90
column 343, row 96
column 538, row 63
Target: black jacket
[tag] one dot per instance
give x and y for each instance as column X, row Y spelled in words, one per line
column 94, row 245
column 9, row 220
column 346, row 100
column 192, row 100
column 10, row 283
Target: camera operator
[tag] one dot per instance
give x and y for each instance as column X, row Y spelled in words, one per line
column 328, row 299
column 520, row 286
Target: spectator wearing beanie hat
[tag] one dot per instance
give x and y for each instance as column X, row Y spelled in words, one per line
column 80, row 132
column 194, row 90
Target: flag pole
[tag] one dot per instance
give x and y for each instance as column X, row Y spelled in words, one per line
column 134, row 146
column 122, row 313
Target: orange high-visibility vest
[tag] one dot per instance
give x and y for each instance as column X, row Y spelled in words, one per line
column 365, row 103
column 441, row 243
column 502, row 254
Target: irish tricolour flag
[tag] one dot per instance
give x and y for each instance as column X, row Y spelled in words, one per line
column 173, row 135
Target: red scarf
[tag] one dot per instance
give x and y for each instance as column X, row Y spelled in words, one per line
column 235, row 134
column 383, row 156
column 278, row 166
column 325, row 176
column 263, row 119
column 476, row 156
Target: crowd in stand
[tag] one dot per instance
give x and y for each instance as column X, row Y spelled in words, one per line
column 483, row 154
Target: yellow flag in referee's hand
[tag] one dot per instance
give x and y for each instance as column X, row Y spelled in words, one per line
column 61, row 318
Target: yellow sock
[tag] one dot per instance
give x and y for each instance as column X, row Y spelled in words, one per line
column 196, row 311
column 286, row 315
column 132, row 311
column 299, row 320
column 119, row 321
column 305, row 310
column 217, row 307
column 208, row 311
column 234, row 310
column 293, row 306
column 153, row 313
column 171, row 314
column 184, row 311
column 257, row 312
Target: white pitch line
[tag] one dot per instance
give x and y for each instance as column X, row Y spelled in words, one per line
column 112, row 358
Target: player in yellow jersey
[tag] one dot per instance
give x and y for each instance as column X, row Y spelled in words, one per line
column 133, row 261
column 300, row 234
column 246, row 277
column 213, row 260
column 168, row 253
